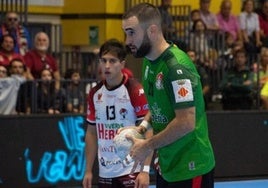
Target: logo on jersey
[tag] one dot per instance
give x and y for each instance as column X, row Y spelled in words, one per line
column 137, row 109
column 99, row 97
column 191, row 165
column 108, row 163
column 159, row 81
column 146, row 72
column 124, row 99
column 141, row 92
column 157, row 116
column 123, row 112
column 182, row 90
column 179, row 71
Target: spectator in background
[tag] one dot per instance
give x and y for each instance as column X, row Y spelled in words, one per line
column 39, row 58
column 249, row 24
column 203, row 76
column 74, row 92
column 49, row 100
column 9, row 87
column 261, row 77
column 7, row 52
column 195, row 15
column 168, row 29
column 230, row 46
column 237, row 85
column 21, row 36
column 228, row 22
column 199, row 41
column 209, row 18
column 23, row 104
column 3, row 73
column 263, row 19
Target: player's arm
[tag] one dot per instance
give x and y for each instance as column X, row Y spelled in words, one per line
column 143, row 179
column 90, row 152
column 182, row 124
column 145, row 124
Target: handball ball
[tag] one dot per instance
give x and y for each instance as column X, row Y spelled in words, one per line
column 122, row 144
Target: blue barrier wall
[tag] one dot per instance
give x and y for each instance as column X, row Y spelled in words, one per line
column 43, row 150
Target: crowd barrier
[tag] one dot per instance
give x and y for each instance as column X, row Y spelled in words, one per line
column 48, row 150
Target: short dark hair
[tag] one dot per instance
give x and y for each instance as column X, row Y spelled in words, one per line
column 241, row 51
column 115, row 47
column 146, row 13
column 17, row 60
column 70, row 72
column 7, row 35
column 196, row 22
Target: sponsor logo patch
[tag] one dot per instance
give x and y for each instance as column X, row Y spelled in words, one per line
column 182, row 90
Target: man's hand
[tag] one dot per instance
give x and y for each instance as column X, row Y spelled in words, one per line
column 142, row 180
column 87, row 181
column 139, row 151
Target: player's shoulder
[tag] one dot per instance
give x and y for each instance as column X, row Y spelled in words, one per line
column 132, row 84
column 94, row 89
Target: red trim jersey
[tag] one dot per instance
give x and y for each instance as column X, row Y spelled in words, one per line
column 110, row 110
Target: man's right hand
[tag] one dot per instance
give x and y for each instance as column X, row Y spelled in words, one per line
column 87, row 181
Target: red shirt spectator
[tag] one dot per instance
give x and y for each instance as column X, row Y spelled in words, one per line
column 5, row 59
column 36, row 63
column 39, row 58
column 12, row 26
column 263, row 19
column 263, row 25
column 7, row 53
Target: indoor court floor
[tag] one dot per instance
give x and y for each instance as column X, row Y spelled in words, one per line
column 240, row 184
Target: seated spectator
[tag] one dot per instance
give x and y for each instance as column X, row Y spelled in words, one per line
column 227, row 56
column 74, row 92
column 12, row 26
column 228, row 22
column 49, row 100
column 39, row 58
column 250, row 27
column 7, row 52
column 261, row 77
column 263, row 19
column 208, row 17
column 237, row 85
column 23, row 105
column 194, row 15
column 203, row 76
column 168, row 29
column 199, row 42
column 9, row 87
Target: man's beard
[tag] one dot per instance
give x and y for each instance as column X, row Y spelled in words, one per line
column 42, row 48
column 144, row 49
column 8, row 51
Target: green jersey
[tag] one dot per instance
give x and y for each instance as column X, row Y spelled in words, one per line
column 172, row 82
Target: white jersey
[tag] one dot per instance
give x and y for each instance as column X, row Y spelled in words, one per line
column 110, row 110
column 9, row 88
